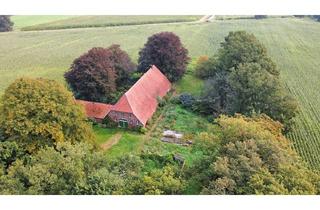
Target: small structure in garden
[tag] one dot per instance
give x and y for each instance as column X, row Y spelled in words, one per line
column 174, row 137
column 178, row 158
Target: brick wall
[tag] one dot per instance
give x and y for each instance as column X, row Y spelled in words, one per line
column 132, row 120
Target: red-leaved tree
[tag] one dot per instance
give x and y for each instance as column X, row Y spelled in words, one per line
column 100, row 74
column 122, row 64
column 166, row 51
column 92, row 76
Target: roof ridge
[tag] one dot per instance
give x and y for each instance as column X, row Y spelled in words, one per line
column 128, row 101
column 147, row 72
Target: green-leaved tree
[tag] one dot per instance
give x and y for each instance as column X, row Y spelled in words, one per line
column 41, row 112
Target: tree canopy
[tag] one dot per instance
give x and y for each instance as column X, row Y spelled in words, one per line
column 5, row 23
column 40, row 112
column 68, row 169
column 243, row 79
column 98, row 74
column 166, row 51
column 122, row 64
column 254, row 158
column 92, row 76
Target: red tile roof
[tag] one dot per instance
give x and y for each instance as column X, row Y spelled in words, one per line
column 94, row 109
column 141, row 98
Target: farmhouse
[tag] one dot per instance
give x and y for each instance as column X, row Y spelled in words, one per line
column 137, row 105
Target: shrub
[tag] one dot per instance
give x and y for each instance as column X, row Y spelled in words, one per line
column 165, row 51
column 143, row 130
column 260, row 16
column 174, row 100
column 186, row 100
column 161, row 101
column 5, row 23
column 205, row 68
column 109, row 123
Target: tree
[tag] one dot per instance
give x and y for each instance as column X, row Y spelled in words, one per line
column 5, row 23
column 257, row 91
column 216, row 96
column 166, row 51
column 122, row 64
column 157, row 182
column 67, row 169
column 260, row 16
column 317, row 17
column 245, row 80
column 92, row 76
column 40, row 112
column 100, row 74
column 242, row 47
column 255, row 158
column 73, row 169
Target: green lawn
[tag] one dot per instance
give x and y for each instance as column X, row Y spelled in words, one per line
column 294, row 44
column 189, row 83
column 129, row 142
column 103, row 134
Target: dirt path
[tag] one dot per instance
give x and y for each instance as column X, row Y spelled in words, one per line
column 206, row 18
column 112, row 141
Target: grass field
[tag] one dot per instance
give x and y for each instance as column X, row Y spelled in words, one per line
column 189, row 83
column 103, row 134
column 21, row 21
column 293, row 43
column 129, row 142
column 110, row 20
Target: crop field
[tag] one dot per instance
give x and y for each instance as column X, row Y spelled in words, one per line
column 294, row 44
column 21, row 21
column 110, row 20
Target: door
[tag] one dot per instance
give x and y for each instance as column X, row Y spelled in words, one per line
column 123, row 123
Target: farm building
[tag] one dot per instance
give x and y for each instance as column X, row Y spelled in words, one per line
column 95, row 111
column 137, row 105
